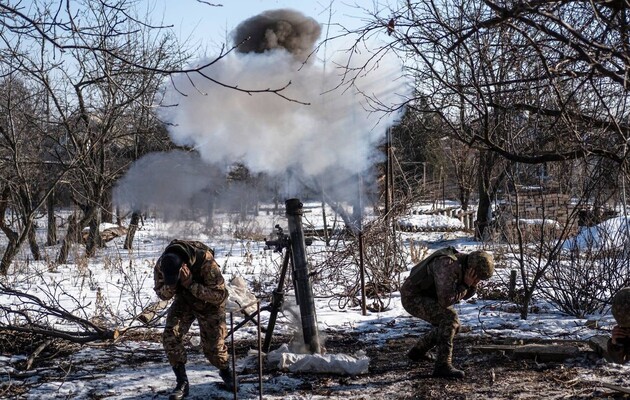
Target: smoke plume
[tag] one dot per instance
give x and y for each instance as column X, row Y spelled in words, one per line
column 170, row 180
column 337, row 128
column 323, row 127
column 273, row 29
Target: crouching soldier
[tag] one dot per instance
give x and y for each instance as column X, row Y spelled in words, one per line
column 187, row 271
column 619, row 343
column 434, row 285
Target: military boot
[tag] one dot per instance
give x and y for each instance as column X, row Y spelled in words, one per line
column 419, row 352
column 228, row 378
column 181, row 390
column 444, row 365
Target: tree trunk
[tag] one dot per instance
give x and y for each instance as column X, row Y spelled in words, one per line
column 484, row 212
column 51, row 232
column 72, row 236
column 131, row 232
column 94, row 240
column 108, row 208
column 12, row 236
column 15, row 241
column 9, row 254
column 32, row 242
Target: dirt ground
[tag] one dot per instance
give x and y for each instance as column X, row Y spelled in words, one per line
column 490, row 375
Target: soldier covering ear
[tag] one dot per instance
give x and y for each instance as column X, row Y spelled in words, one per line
column 434, row 285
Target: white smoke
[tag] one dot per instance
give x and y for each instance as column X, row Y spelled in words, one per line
column 171, row 181
column 322, row 127
column 267, row 132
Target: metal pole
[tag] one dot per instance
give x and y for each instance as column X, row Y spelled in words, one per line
column 304, row 291
column 260, row 368
column 362, row 271
column 277, row 298
column 233, row 355
column 360, row 238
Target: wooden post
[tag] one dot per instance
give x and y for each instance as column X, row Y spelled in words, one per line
column 512, row 288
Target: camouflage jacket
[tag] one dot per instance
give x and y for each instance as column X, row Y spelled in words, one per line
column 208, row 286
column 447, row 275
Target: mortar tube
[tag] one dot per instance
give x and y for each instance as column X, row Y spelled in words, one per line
column 304, row 291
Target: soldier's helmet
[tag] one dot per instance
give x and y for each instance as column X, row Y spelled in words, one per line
column 621, row 307
column 482, row 262
column 170, row 264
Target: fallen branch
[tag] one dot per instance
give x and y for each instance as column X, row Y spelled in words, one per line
column 38, row 350
column 30, row 314
column 616, row 387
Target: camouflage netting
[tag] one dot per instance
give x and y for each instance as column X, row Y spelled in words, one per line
column 621, row 307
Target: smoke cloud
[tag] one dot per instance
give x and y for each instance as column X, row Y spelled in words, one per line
column 170, row 180
column 274, row 29
column 269, row 133
column 323, row 127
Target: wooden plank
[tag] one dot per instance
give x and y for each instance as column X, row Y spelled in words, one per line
column 616, row 387
column 545, row 353
column 496, row 348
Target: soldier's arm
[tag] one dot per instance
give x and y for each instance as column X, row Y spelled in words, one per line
column 469, row 282
column 212, row 288
column 163, row 291
column 470, row 292
column 449, row 286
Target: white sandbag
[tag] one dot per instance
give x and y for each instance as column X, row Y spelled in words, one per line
column 341, row 364
column 239, row 295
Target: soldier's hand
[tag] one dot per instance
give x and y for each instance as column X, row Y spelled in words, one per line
column 470, row 277
column 185, row 276
column 619, row 333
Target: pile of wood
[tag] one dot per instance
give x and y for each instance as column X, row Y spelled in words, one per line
column 537, row 214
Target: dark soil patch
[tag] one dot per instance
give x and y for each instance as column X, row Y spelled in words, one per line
column 488, row 375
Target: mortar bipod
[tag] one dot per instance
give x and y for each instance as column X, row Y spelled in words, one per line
column 277, row 296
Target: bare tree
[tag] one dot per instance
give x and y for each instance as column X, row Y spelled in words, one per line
column 21, row 170
column 98, row 69
column 530, row 82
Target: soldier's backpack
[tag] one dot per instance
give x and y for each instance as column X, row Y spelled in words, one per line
column 419, row 274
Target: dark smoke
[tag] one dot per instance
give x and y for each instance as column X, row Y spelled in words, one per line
column 273, row 29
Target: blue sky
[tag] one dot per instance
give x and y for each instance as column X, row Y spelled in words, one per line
column 208, row 25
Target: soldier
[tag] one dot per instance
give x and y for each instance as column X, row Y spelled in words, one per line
column 434, row 285
column 187, row 270
column 619, row 345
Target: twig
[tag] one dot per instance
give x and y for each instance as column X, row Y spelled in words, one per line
column 36, row 353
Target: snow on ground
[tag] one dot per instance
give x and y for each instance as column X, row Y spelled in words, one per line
column 120, row 283
column 610, row 234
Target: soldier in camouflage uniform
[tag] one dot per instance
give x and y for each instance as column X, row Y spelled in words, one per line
column 619, row 343
column 432, row 288
column 187, row 271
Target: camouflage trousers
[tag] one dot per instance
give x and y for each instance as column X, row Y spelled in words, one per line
column 445, row 325
column 212, row 330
